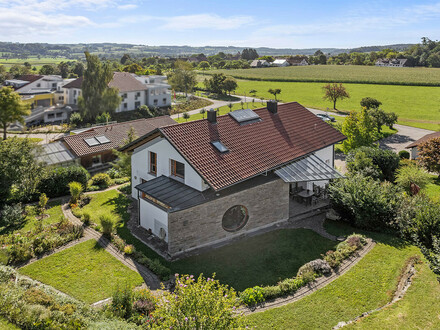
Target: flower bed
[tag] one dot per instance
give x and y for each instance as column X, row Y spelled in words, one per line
column 306, row 274
column 20, row 247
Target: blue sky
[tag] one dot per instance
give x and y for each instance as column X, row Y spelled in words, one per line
column 279, row 24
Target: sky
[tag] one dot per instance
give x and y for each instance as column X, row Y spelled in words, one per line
column 277, row 24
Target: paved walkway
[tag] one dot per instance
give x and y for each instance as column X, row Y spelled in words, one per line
column 151, row 280
column 321, row 282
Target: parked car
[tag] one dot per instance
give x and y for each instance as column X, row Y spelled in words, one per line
column 326, row 117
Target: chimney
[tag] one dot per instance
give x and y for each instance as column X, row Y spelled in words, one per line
column 272, row 106
column 212, row 116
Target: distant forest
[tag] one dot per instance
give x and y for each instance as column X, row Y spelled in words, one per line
column 113, row 50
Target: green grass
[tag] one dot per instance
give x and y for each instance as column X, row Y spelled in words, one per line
column 110, row 202
column 261, row 260
column 416, row 106
column 432, row 189
column 368, row 285
column 341, row 73
column 419, row 308
column 53, row 211
column 34, row 61
column 85, row 271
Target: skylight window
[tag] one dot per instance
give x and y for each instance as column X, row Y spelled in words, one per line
column 245, row 116
column 92, row 142
column 220, row 146
column 102, row 139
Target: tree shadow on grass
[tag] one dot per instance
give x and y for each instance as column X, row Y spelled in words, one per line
column 121, row 204
column 341, row 228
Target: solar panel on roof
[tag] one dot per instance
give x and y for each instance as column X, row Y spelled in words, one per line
column 91, row 142
column 102, row 139
column 220, row 146
column 244, row 115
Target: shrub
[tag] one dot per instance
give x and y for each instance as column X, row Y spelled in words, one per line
column 35, row 296
column 76, row 189
column 289, row 285
column 121, row 180
column 122, row 302
column 252, row 296
column 403, row 154
column 93, row 188
column 42, row 203
column 102, row 180
column 106, row 224
column 333, row 258
column 84, row 200
column 356, row 240
column 113, row 173
column 129, row 249
column 385, row 160
column 197, row 304
column 412, row 174
column 119, row 243
column 155, row 266
column 11, row 215
column 85, row 218
column 126, row 189
column 55, row 181
column 366, row 203
column 317, row 266
column 272, row 292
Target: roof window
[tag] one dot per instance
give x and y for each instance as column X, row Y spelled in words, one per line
column 220, row 146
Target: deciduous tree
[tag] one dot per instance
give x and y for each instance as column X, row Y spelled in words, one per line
column 274, row 92
column 96, row 96
column 429, row 155
column 183, row 78
column 334, row 92
column 11, row 108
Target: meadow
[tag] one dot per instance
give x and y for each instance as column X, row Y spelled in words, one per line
column 34, row 61
column 341, row 73
column 417, row 106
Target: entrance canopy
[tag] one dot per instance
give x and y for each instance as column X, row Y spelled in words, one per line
column 309, row 168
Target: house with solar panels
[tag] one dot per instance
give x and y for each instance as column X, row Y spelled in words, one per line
column 206, row 182
column 93, row 148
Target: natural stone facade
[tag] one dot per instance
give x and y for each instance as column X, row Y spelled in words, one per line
column 201, row 225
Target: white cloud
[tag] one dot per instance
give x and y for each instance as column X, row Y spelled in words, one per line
column 129, row 6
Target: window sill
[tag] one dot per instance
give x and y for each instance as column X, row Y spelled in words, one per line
column 178, row 178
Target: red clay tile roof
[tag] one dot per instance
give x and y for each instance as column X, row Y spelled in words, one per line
column 30, row 77
column 75, row 83
column 253, row 148
column 116, row 133
column 423, row 139
column 126, row 82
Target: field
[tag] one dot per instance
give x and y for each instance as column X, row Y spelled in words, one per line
column 85, row 271
column 341, row 73
column 417, row 106
column 34, row 61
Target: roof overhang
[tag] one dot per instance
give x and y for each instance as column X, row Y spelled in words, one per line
column 309, row 168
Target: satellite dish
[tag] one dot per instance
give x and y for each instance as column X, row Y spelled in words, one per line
column 162, row 233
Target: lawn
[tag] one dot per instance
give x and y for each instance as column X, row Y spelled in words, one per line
column 416, row 106
column 110, row 202
column 368, row 285
column 432, row 189
column 85, row 271
column 341, row 73
column 53, row 214
column 264, row 259
column 260, row 260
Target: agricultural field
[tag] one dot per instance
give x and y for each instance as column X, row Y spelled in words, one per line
column 417, row 106
column 34, row 61
column 341, row 73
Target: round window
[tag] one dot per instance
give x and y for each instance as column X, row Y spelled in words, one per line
column 235, row 218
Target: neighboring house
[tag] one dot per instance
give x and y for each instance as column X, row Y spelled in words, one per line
column 398, row 62
column 205, row 182
column 259, row 64
column 280, row 62
column 134, row 91
column 297, row 61
column 38, row 90
column 57, row 114
column 414, row 146
column 94, row 147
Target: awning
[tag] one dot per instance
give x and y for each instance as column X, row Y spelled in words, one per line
column 309, row 168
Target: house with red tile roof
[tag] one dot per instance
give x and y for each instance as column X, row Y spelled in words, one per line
column 94, row 147
column 414, row 145
column 206, row 182
column 134, row 91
